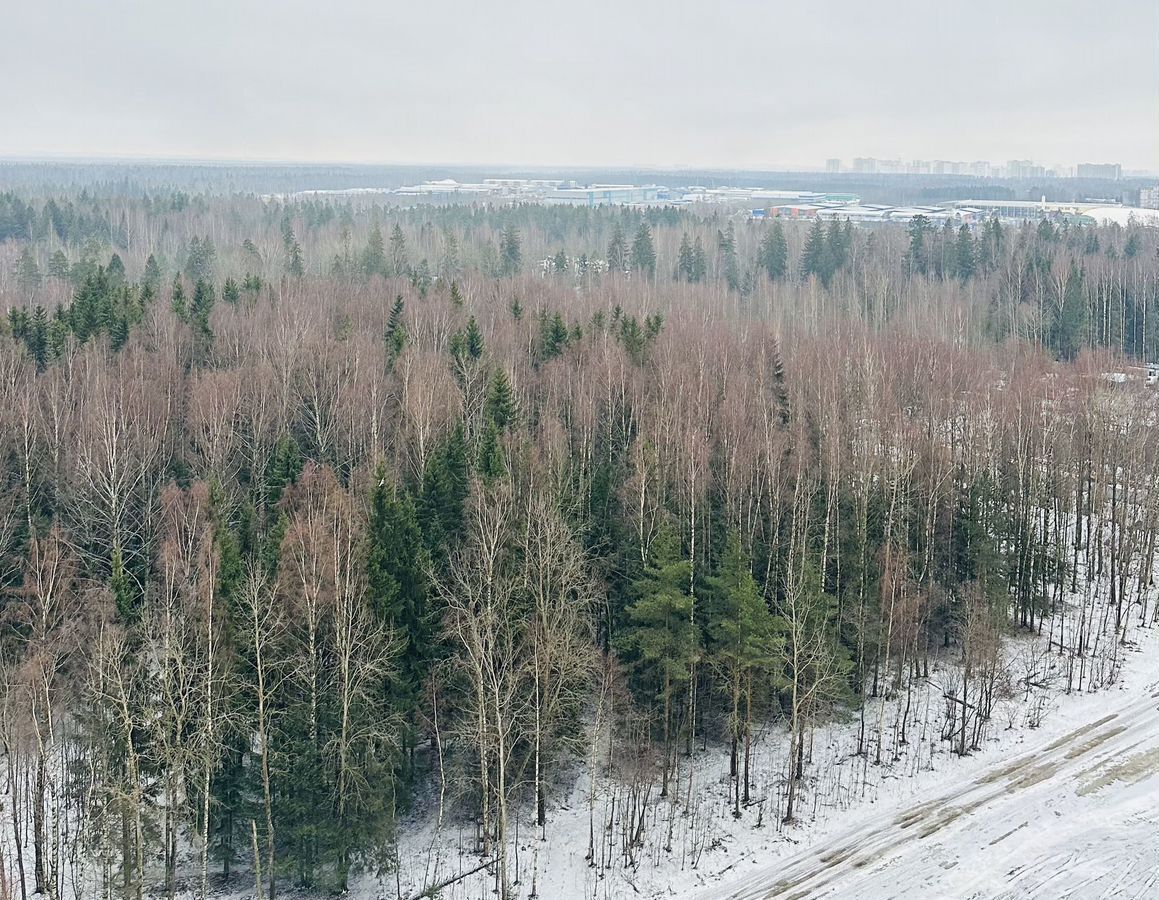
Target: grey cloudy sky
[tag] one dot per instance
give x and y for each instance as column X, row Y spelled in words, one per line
column 727, row 83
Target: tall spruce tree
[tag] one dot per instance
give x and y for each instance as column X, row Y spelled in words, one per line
column 395, row 333
column 836, row 239
column 374, row 254
column 27, row 271
column 618, row 251
column 399, row 259
column 295, row 264
column 510, row 252
column 491, row 462
column 58, row 266
column 684, row 259
column 816, row 259
column 502, row 405
column 199, row 311
column 729, row 266
column 397, row 582
column 660, row 635
column 1073, row 318
column 444, row 492
column 965, row 253
column 746, row 648
column 699, row 261
column 231, row 292
column 918, row 258
column 643, row 251
column 774, row 252
column 177, row 300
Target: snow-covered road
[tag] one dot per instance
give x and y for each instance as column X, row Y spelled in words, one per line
column 1075, row 817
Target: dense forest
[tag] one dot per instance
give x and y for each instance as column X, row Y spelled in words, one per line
column 323, row 518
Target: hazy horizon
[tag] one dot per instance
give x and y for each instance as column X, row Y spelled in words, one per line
column 735, row 86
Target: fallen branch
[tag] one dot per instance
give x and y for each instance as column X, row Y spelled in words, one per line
column 428, row 892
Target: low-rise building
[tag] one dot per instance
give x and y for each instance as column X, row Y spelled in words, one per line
column 606, row 194
column 795, row 211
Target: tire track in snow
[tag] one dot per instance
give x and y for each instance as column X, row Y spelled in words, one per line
column 861, row 853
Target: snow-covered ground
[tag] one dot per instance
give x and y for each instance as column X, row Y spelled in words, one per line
column 1072, row 811
column 1061, row 800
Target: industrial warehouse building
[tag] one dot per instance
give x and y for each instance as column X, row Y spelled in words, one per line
column 605, row 194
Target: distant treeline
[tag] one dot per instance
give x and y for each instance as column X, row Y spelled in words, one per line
column 128, row 178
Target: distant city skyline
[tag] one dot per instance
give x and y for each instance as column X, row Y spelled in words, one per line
column 1014, row 168
column 732, row 85
column 848, row 165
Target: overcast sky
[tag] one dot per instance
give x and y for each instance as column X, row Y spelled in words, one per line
column 731, row 83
